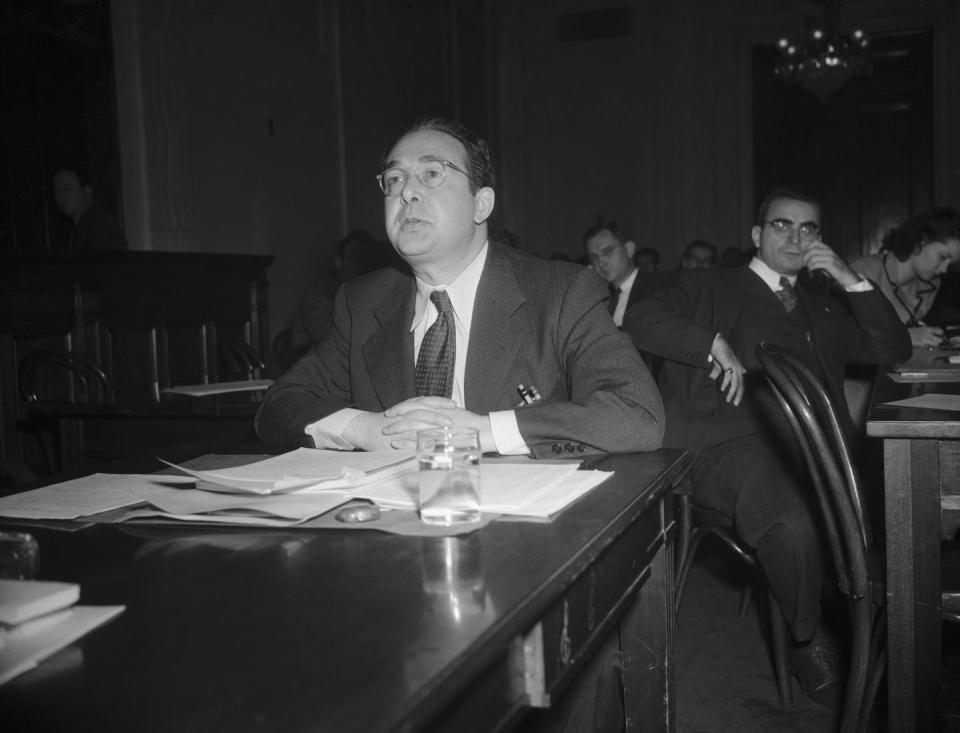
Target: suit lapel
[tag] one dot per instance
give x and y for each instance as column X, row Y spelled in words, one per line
column 391, row 377
column 495, row 334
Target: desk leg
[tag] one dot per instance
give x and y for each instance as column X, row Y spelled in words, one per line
column 912, row 515
column 647, row 632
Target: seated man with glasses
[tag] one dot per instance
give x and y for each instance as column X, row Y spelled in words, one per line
column 795, row 292
column 477, row 335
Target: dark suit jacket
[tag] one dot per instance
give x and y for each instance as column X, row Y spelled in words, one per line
column 680, row 321
column 535, row 322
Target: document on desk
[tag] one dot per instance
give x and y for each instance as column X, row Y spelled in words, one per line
column 531, row 489
column 929, row 402
column 304, row 470
column 82, row 497
column 215, row 388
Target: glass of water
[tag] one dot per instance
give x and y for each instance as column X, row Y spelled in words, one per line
column 19, row 556
column 449, row 461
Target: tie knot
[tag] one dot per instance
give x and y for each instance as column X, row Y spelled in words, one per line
column 442, row 301
column 785, row 283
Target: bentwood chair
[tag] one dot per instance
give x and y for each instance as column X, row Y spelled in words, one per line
column 857, row 562
column 58, row 377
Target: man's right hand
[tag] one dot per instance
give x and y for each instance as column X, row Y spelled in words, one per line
column 929, row 336
column 726, row 363
column 396, row 427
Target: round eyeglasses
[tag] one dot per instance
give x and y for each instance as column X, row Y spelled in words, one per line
column 809, row 231
column 430, row 173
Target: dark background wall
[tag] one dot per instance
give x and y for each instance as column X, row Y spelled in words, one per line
column 256, row 127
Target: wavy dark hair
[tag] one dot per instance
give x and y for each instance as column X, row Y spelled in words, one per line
column 934, row 225
column 478, row 165
column 797, row 193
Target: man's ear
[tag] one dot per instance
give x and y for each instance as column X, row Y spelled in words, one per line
column 631, row 248
column 755, row 235
column 483, row 204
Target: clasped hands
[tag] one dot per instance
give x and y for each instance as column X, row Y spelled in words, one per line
column 397, row 426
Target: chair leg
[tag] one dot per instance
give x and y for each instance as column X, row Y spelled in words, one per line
column 780, row 644
column 696, row 534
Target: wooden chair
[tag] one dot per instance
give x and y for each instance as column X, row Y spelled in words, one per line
column 857, row 561
column 696, row 523
column 58, row 377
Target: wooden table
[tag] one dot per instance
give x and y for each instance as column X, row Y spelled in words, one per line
column 921, row 464
column 353, row 630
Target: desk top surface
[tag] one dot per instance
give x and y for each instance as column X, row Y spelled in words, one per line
column 282, row 630
column 888, row 421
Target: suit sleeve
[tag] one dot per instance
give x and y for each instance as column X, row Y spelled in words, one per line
column 611, row 403
column 875, row 334
column 664, row 323
column 317, row 385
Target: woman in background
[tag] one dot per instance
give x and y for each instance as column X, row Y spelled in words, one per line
column 908, row 267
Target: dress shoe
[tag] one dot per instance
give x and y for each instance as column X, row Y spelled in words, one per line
column 817, row 666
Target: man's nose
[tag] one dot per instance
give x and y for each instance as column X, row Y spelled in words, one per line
column 793, row 234
column 411, row 189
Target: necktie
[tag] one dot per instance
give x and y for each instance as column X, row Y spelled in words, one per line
column 787, row 294
column 438, row 351
column 614, row 299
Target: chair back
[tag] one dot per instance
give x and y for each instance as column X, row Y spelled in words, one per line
column 62, row 376
column 814, row 419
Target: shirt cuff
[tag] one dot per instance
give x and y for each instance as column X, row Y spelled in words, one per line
column 864, row 286
column 506, row 434
column 328, row 432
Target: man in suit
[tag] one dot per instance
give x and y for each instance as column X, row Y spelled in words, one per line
column 706, row 326
column 611, row 255
column 504, row 328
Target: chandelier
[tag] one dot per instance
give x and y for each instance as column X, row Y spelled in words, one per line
column 826, row 60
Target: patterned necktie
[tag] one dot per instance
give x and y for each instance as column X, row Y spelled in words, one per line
column 787, row 294
column 614, row 299
column 438, row 351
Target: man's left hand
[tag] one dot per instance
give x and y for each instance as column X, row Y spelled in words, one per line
column 818, row 256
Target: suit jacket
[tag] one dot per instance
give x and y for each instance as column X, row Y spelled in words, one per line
column 536, row 322
column 680, row 321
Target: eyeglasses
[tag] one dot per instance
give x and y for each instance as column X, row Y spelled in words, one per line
column 808, row 230
column 431, row 173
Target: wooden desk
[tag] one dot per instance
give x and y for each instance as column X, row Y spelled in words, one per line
column 352, row 630
column 921, row 464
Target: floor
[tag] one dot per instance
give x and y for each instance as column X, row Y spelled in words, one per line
column 724, row 675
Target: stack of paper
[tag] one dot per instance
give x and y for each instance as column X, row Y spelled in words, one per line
column 38, row 618
column 292, row 488
column 305, row 470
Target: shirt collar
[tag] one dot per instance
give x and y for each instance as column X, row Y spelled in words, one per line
column 627, row 283
column 462, row 292
column 770, row 276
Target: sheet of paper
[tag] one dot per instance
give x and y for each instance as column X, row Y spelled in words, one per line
column 930, row 402
column 930, row 375
column 306, row 468
column 82, row 497
column 194, row 501
column 204, row 390
column 25, row 648
column 230, row 520
column 524, row 489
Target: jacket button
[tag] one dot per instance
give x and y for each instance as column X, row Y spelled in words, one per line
column 581, row 447
column 556, row 448
column 568, row 447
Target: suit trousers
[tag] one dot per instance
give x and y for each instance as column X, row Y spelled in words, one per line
column 756, row 487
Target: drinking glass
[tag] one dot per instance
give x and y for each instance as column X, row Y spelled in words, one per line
column 19, row 555
column 449, row 461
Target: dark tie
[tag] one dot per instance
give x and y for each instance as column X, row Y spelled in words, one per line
column 787, row 294
column 614, row 299
column 438, row 351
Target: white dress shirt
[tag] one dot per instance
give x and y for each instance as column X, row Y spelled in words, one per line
column 625, row 287
column 328, row 432
column 772, row 278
